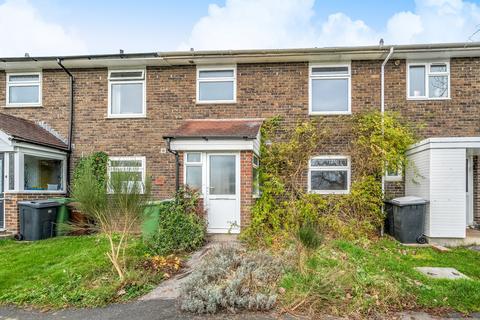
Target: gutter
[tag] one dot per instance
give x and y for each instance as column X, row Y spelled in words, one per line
column 70, row 122
column 177, row 163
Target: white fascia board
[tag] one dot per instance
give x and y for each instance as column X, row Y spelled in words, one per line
column 213, row 145
column 445, row 143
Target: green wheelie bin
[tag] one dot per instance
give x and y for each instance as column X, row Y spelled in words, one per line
column 63, row 215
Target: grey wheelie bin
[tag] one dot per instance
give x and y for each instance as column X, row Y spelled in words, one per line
column 37, row 219
column 406, row 219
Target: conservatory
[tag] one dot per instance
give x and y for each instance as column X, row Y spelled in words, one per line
column 33, row 162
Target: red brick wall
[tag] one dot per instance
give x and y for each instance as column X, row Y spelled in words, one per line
column 246, row 183
column 476, row 189
column 263, row 90
column 11, row 207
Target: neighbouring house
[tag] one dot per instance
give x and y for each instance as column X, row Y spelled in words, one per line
column 194, row 118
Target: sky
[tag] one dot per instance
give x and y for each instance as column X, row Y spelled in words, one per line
column 59, row 27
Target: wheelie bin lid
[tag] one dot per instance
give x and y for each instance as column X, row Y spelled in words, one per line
column 407, row 201
column 39, row 204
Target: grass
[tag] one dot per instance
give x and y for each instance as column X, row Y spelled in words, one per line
column 67, row 272
column 380, row 278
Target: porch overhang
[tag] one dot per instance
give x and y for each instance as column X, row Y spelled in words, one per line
column 441, row 172
column 216, row 135
column 445, row 143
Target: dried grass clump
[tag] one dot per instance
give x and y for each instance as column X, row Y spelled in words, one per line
column 230, row 278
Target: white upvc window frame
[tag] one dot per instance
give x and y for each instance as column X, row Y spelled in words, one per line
column 312, row 77
column 23, row 84
column 219, row 79
column 195, row 164
column 398, row 176
column 141, row 169
column 347, row 168
column 128, row 80
column 20, row 169
column 428, row 73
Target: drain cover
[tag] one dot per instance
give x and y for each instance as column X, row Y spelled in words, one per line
column 442, row 273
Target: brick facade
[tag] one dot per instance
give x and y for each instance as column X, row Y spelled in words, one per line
column 263, row 90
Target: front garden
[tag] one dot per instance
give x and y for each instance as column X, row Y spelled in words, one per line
column 303, row 253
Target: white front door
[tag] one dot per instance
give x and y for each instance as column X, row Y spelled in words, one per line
column 469, row 191
column 222, row 199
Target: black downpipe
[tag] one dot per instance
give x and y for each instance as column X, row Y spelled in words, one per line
column 70, row 121
column 177, row 164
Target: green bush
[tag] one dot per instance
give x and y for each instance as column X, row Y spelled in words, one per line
column 181, row 226
column 309, row 236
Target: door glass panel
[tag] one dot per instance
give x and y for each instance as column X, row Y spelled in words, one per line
column 222, row 175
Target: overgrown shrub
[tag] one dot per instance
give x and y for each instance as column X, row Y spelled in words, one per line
column 378, row 142
column 231, row 279
column 181, row 225
column 97, row 163
column 113, row 208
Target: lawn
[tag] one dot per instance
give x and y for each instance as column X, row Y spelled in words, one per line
column 347, row 279
column 67, row 271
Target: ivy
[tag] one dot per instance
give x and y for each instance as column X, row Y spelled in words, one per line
column 99, row 161
column 285, row 205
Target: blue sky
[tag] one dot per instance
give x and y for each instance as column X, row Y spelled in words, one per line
column 77, row 27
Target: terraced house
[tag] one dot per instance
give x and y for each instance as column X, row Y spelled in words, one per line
column 194, row 118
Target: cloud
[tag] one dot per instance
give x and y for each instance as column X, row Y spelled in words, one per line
column 22, row 29
column 244, row 24
column 254, row 24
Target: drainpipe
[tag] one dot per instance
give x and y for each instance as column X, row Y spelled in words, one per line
column 70, row 120
column 177, row 164
column 382, row 111
column 382, row 104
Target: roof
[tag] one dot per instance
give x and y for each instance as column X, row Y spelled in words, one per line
column 412, row 51
column 27, row 131
column 218, row 128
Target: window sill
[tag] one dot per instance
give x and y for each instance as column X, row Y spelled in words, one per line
column 22, row 106
column 333, row 113
column 427, row 99
column 215, row 102
column 35, row 191
column 126, row 117
column 393, row 179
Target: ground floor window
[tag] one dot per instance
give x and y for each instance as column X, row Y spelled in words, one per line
column 194, row 170
column 134, row 166
column 329, row 174
column 41, row 173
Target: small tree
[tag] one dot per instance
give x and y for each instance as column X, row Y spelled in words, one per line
column 113, row 209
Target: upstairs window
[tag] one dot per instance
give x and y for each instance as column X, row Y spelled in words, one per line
column 330, row 89
column 24, row 89
column 428, row 80
column 216, row 85
column 329, row 174
column 126, row 93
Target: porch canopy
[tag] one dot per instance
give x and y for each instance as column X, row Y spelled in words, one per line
column 441, row 170
column 33, row 158
column 216, row 135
